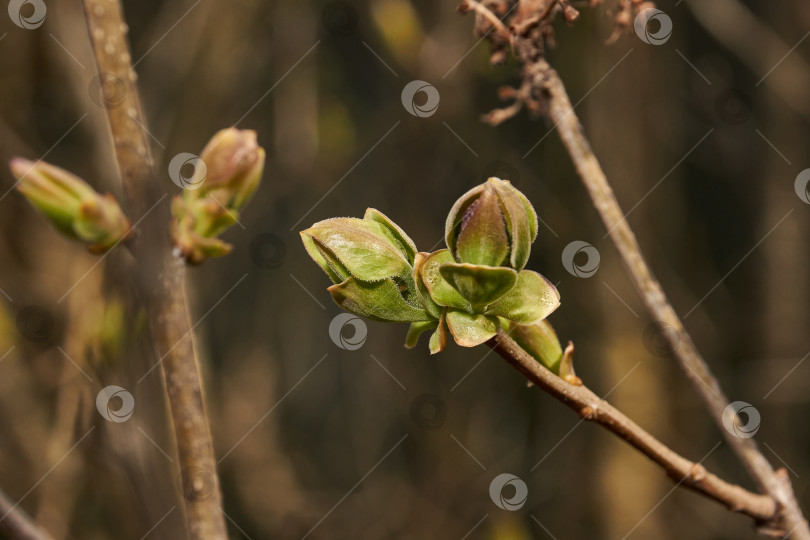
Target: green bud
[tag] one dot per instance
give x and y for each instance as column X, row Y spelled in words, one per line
column 468, row 291
column 71, row 205
column 473, row 296
column 370, row 261
column 360, row 248
column 493, row 224
column 540, row 340
column 234, row 163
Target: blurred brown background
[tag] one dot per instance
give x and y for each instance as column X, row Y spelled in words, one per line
column 702, row 137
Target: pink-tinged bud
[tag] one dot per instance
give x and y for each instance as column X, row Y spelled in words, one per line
column 234, row 163
column 493, row 224
column 233, row 166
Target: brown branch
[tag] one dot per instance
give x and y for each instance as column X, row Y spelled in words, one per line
column 165, row 300
column 15, row 524
column 547, row 86
column 560, row 111
column 589, row 406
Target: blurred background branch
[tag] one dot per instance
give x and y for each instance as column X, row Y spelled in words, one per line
column 15, row 524
column 165, row 298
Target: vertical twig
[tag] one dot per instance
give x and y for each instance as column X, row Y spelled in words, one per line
column 16, row 524
column 694, row 366
column 165, row 298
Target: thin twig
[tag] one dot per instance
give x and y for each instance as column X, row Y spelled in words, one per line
column 164, row 298
column 17, row 525
column 493, row 19
column 589, row 406
column 547, row 86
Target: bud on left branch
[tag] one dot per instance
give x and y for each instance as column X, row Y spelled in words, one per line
column 71, row 205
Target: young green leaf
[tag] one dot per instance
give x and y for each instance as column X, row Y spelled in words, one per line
column 479, row 285
column 378, row 301
column 532, row 299
column 471, row 330
column 439, row 289
column 438, row 340
column 416, row 329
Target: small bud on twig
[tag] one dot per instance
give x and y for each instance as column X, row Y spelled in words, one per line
column 70, row 204
column 234, row 163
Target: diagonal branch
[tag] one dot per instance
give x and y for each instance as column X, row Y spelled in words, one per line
column 547, row 89
column 560, row 111
column 164, row 298
column 589, row 406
